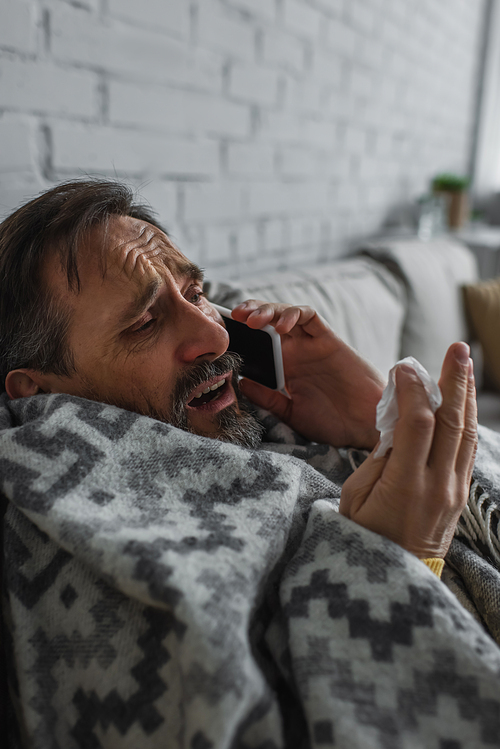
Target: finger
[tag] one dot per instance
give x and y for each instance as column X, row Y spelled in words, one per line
column 306, row 319
column 285, row 318
column 414, row 429
column 257, row 314
column 263, row 310
column 358, row 486
column 289, row 320
column 468, row 448
column 450, row 417
column 271, row 400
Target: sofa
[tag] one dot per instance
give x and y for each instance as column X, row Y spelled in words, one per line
column 391, row 299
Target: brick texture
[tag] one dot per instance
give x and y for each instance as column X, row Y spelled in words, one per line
column 265, row 133
column 17, row 29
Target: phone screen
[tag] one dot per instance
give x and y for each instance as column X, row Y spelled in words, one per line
column 256, row 349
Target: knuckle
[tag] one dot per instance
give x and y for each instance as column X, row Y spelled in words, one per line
column 447, row 501
column 450, row 499
column 422, row 421
column 470, row 435
column 452, row 419
column 459, row 378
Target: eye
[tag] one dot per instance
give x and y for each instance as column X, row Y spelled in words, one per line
column 195, row 294
column 145, row 326
column 142, row 326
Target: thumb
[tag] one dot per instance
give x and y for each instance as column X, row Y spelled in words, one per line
column 360, row 484
column 271, row 400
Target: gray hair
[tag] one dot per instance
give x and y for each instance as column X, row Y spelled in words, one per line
column 34, row 323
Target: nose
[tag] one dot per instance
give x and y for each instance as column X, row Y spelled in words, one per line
column 202, row 337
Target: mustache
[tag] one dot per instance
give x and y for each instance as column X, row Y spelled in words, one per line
column 237, row 426
column 197, row 374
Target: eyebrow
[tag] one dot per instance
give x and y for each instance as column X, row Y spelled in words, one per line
column 141, row 303
column 190, row 270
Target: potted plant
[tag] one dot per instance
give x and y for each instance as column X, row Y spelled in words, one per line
column 453, row 189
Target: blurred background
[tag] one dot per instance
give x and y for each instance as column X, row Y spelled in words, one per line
column 265, row 133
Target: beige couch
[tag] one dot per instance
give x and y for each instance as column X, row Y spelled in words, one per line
column 392, row 299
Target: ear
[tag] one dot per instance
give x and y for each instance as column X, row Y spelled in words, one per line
column 20, row 383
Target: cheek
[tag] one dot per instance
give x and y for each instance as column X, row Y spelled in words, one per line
column 154, row 371
column 145, row 387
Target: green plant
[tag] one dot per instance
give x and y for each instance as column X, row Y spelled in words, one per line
column 449, row 183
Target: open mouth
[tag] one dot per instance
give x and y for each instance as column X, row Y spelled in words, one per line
column 209, row 392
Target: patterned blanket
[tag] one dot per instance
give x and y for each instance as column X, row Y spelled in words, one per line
column 167, row 590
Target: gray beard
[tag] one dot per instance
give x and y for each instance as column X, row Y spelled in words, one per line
column 239, row 427
column 236, row 425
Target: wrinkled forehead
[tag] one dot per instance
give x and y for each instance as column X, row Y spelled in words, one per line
column 124, row 248
column 124, row 242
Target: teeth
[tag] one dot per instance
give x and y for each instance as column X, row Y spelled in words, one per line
column 208, row 389
column 217, row 385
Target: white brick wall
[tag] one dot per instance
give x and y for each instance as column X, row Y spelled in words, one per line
column 15, row 151
column 151, row 14
column 264, row 132
column 17, row 30
column 104, row 149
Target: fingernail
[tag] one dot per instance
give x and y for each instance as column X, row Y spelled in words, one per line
column 471, row 369
column 462, row 353
column 406, row 368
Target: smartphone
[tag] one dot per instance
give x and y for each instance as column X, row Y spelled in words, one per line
column 259, row 349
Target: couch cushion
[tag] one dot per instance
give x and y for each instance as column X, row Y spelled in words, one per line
column 434, row 273
column 482, row 301
column 360, row 299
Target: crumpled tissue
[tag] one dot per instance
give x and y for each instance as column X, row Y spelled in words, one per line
column 387, row 407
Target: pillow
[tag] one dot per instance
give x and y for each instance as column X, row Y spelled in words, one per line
column 482, row 303
column 434, row 273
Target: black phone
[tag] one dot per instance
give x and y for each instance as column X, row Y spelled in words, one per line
column 259, row 349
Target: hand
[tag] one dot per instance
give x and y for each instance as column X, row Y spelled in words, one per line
column 334, row 391
column 415, row 494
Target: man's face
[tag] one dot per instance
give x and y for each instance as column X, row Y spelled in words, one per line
column 145, row 338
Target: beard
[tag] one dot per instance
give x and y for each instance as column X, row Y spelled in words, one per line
column 236, row 423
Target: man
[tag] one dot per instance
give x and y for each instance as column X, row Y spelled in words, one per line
column 97, row 303
column 135, row 330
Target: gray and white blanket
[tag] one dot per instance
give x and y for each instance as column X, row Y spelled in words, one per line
column 167, row 590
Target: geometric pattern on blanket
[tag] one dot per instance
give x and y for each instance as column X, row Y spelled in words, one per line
column 168, row 590
column 383, row 664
